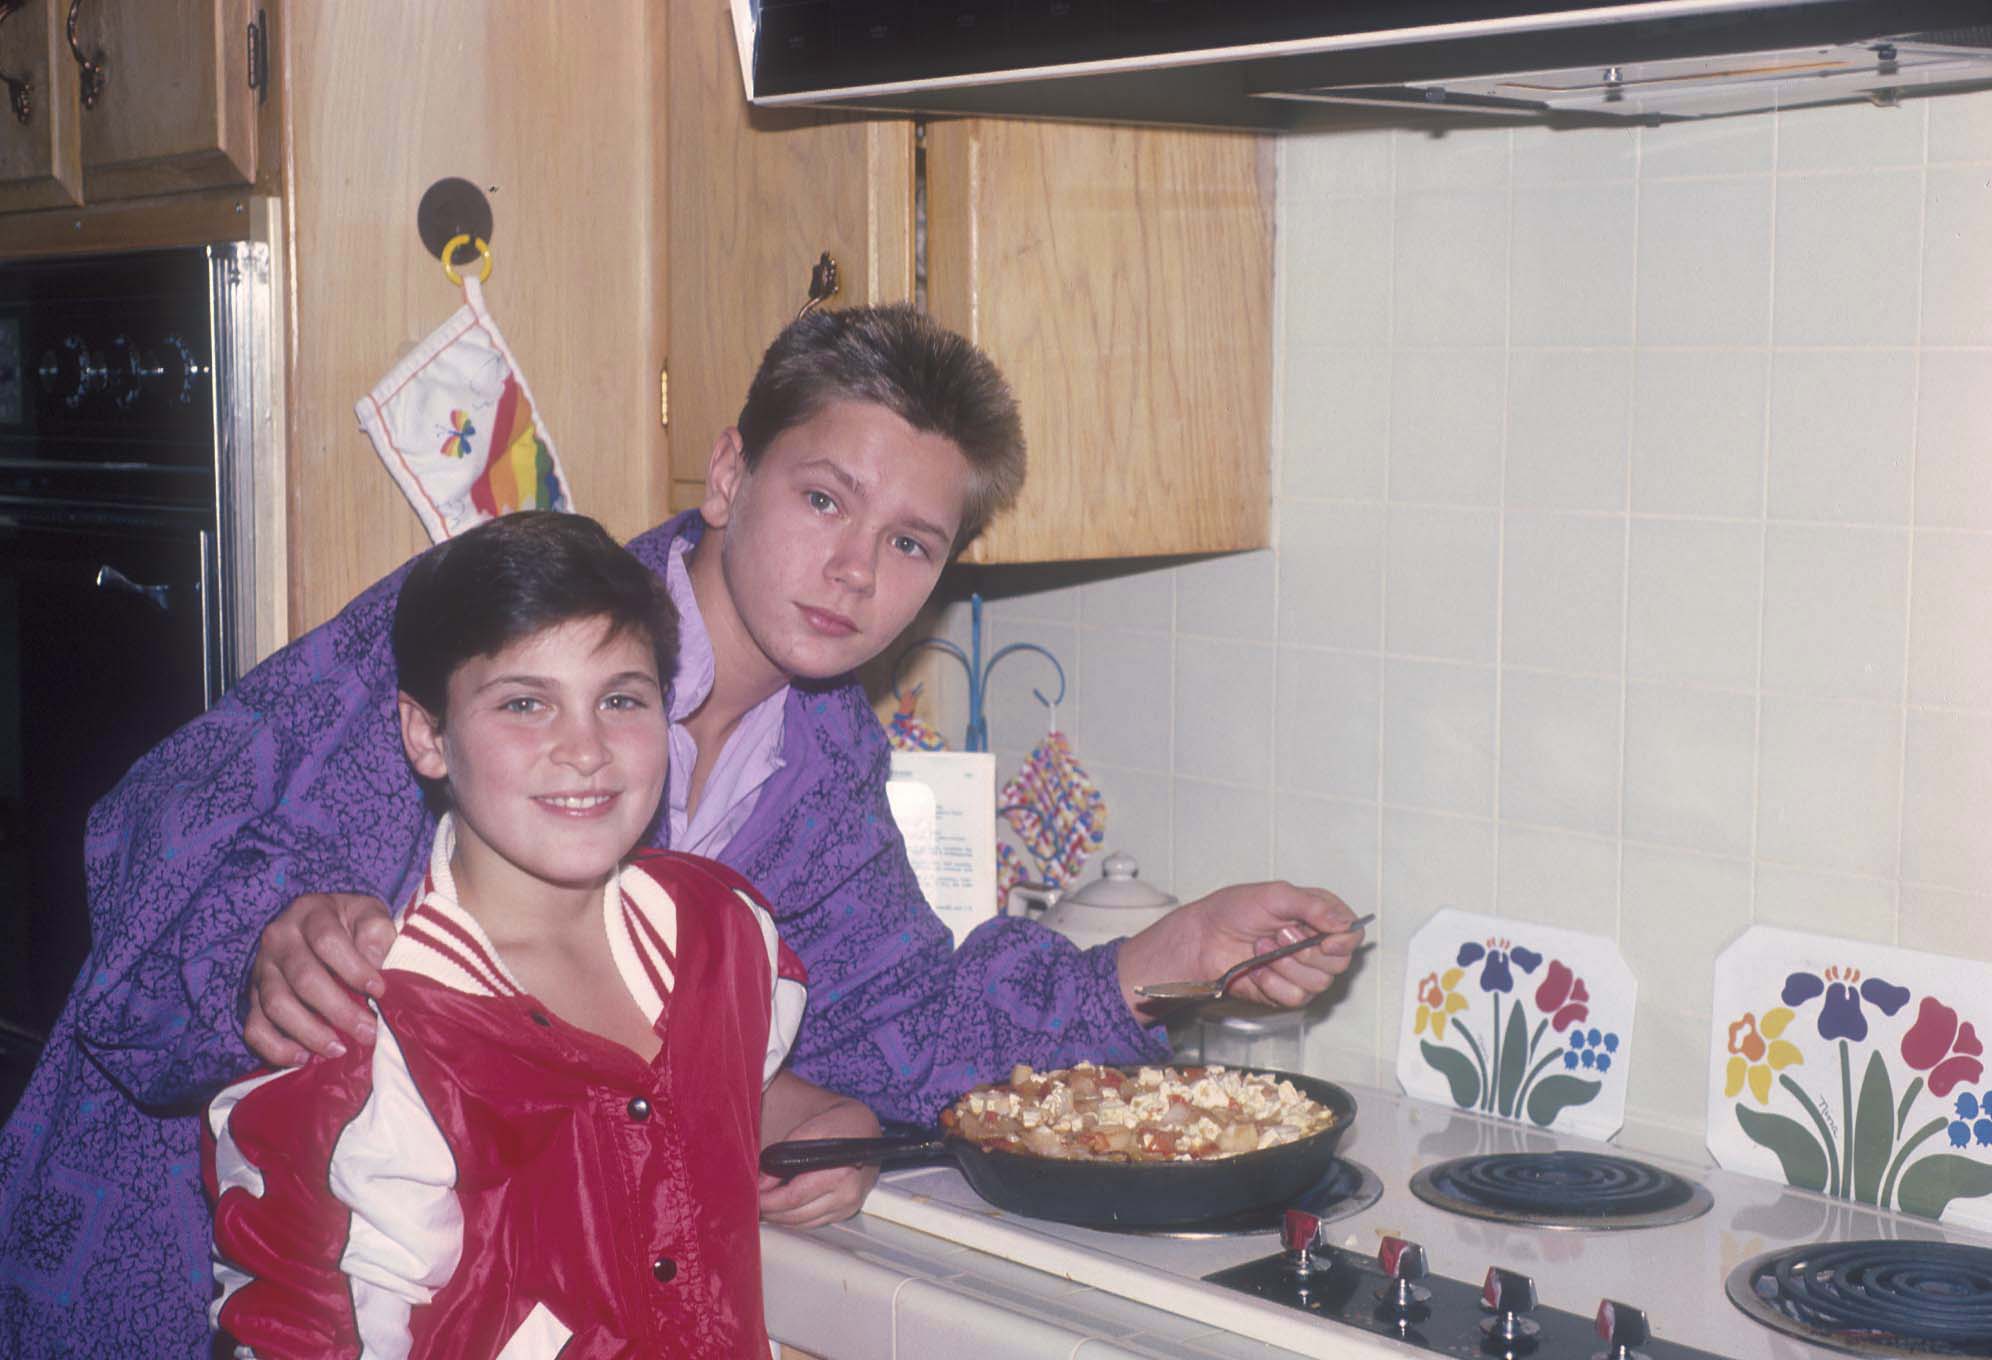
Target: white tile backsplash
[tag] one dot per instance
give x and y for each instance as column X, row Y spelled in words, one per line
column 1950, row 612
column 1571, row 279
column 1693, row 600
column 1326, row 723
column 1829, row 781
column 1450, row 275
column 1953, row 430
column 1438, row 736
column 1230, row 596
column 1698, row 430
column 1569, row 411
column 1563, row 592
column 1633, row 566
column 1957, row 267
column 1560, row 751
column 1335, row 428
column 1836, row 604
column 1843, row 427
column 1558, row 878
column 1690, row 768
column 1446, row 423
column 1331, row 575
column 1704, row 263
column 1440, row 565
column 1228, row 734
column 1947, row 787
column 1847, row 258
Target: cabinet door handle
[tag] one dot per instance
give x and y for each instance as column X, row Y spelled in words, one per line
column 93, row 71
column 20, row 89
column 110, row 578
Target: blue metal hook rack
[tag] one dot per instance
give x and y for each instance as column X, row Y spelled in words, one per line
column 979, row 671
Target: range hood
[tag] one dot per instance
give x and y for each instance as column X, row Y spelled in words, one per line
column 1277, row 65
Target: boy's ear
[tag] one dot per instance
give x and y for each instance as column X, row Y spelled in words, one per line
column 422, row 738
column 726, row 468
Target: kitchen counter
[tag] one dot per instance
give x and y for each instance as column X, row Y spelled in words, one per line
column 930, row 1269
column 871, row 1288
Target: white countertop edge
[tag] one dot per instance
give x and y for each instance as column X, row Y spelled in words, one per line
column 1221, row 1309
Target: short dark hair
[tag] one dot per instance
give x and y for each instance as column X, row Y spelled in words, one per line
column 520, row 574
column 902, row 359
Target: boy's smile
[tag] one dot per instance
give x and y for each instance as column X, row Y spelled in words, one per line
column 831, row 543
column 555, row 752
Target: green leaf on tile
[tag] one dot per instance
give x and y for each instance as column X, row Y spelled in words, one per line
column 1874, row 1129
column 1797, row 1151
column 1458, row 1071
column 1555, row 1094
column 1514, row 1059
column 1931, row 1184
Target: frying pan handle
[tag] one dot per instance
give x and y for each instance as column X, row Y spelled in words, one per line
column 791, row 1159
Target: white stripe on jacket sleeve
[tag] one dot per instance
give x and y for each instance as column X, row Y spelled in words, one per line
column 393, row 1169
column 232, row 1171
column 785, row 1012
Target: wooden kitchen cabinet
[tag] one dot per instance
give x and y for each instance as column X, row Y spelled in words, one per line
column 174, row 109
column 1122, row 277
column 41, row 145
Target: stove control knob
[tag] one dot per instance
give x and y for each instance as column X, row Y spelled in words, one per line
column 1303, row 1234
column 1404, row 1263
column 1622, row 1328
column 1511, row 1296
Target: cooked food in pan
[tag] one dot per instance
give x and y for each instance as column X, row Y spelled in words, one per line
column 1153, row 1114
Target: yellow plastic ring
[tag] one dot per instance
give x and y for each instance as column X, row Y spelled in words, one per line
column 449, row 254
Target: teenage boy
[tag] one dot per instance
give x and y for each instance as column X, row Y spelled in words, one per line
column 872, row 446
column 578, row 1053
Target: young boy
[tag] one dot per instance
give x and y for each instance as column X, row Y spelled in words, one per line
column 553, row 1135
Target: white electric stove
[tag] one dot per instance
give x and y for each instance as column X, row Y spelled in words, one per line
column 1675, row 1271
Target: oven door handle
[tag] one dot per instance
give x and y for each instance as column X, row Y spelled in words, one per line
column 110, row 578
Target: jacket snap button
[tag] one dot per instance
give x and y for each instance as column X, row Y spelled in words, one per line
column 639, row 1109
column 664, row 1268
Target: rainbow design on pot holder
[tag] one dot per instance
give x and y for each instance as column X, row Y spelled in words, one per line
column 1855, row 1070
column 520, row 473
column 1519, row 1021
column 456, row 444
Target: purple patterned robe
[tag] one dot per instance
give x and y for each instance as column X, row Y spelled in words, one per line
column 296, row 783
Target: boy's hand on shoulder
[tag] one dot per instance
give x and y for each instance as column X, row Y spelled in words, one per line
column 818, row 1197
column 316, row 962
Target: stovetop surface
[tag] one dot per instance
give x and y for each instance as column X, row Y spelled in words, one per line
column 1676, row 1273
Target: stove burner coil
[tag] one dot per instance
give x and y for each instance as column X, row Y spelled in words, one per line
column 1875, row 1298
column 1561, row 1189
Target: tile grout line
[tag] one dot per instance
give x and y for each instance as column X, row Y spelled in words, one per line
column 1501, row 515
column 1909, row 567
column 1382, row 1039
column 1765, row 430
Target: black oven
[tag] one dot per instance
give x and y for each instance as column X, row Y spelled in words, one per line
column 121, row 471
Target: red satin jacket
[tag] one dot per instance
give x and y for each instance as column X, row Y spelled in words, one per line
column 486, row 1180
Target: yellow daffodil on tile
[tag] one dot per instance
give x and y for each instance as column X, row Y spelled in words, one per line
column 1757, row 1053
column 1437, row 1001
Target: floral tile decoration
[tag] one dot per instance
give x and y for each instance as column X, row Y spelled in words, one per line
column 1856, row 1070
column 1524, row 1022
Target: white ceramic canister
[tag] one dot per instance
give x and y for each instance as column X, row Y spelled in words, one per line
column 1116, row 903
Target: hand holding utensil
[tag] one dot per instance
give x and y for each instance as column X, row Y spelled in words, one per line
column 1216, row 987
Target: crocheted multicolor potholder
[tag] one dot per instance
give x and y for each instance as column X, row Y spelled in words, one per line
column 1058, row 815
column 907, row 733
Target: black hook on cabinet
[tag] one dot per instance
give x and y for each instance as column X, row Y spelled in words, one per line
column 20, row 89
column 451, row 208
column 822, row 285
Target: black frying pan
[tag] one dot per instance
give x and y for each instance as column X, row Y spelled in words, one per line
column 1105, row 1194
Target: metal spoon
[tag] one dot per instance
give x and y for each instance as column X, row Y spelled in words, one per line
column 1205, row 991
